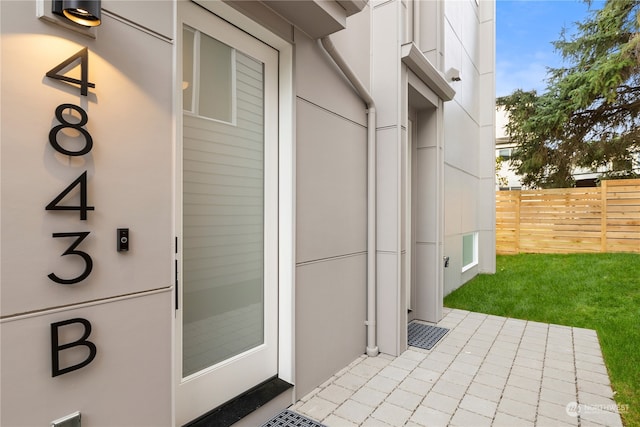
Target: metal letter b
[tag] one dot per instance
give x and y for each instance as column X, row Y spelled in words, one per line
column 56, row 348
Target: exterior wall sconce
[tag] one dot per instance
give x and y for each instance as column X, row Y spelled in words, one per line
column 82, row 12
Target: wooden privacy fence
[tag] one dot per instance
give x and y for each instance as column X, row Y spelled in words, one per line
column 600, row 219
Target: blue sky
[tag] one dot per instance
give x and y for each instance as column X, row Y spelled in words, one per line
column 524, row 32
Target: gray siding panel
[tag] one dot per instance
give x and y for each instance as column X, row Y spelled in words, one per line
column 331, row 184
column 330, row 314
column 331, row 219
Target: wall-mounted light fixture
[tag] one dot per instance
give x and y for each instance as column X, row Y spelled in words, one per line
column 82, row 12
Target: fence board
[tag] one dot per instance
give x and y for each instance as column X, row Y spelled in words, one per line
column 600, row 219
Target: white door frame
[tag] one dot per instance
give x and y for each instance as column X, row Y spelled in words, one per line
column 428, row 201
column 286, row 184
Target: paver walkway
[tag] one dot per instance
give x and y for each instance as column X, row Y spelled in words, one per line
column 487, row 371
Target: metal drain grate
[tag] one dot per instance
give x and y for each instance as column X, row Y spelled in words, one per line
column 288, row 418
column 424, row 336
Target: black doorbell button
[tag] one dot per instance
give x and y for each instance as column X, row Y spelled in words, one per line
column 123, row 239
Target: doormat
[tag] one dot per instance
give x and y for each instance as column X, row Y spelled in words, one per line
column 288, row 418
column 425, row 336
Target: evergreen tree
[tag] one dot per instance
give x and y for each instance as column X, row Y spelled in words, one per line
column 589, row 114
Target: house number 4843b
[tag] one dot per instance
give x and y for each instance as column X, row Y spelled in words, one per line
column 70, row 138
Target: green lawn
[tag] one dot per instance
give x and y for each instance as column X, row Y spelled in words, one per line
column 595, row 291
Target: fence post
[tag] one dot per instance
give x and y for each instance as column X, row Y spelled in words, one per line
column 517, row 242
column 603, row 220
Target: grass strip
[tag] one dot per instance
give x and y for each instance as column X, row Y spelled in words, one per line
column 594, row 291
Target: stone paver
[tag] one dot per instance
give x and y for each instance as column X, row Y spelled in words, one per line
column 487, row 371
column 405, row 399
column 464, row 418
column 478, row 405
column 518, row 409
column 486, row 392
column 425, row 416
column 336, row 394
column 350, row 410
column 505, row 420
column 369, row 396
column 392, row 414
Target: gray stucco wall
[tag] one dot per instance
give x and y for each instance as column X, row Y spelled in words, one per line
column 331, row 189
column 469, row 199
column 126, row 297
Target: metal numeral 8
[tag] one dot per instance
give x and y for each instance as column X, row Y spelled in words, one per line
column 53, row 134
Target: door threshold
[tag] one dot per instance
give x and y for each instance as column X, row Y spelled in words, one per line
column 243, row 405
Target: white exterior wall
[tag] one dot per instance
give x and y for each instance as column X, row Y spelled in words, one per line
column 469, row 46
column 454, row 159
column 127, row 297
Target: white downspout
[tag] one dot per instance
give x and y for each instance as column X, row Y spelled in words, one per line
column 416, row 22
column 372, row 348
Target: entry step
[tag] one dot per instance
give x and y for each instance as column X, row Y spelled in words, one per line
column 243, row 405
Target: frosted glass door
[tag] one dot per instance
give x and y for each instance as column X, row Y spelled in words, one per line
column 227, row 316
column 223, row 205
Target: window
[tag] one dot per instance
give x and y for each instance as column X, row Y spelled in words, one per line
column 208, row 77
column 469, row 251
column 505, row 153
